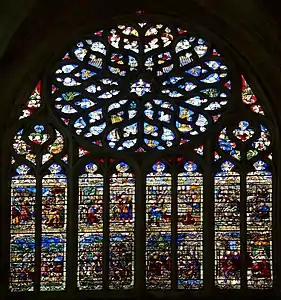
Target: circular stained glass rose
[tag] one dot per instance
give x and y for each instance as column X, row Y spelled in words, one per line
column 141, row 87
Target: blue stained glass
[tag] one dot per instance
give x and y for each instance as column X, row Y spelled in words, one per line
column 85, row 103
column 227, row 166
column 92, row 88
column 68, row 68
column 91, row 168
column 68, row 81
column 55, row 168
column 186, row 113
column 22, row 169
column 163, row 117
column 80, row 53
column 172, row 93
column 122, row 167
column 39, row 128
column 152, row 143
column 108, row 95
column 68, row 109
column 98, row 47
column 80, row 123
column 127, row 144
column 172, row 80
column 213, row 64
column 85, row 74
column 167, row 135
column 190, row 166
column 260, row 165
column 95, row 116
column 130, row 130
column 201, row 50
column 211, row 78
column 196, row 101
column 96, row 130
column 140, row 87
column 196, row 71
column 159, row 167
column 188, row 86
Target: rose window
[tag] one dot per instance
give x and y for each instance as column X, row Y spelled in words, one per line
column 140, row 87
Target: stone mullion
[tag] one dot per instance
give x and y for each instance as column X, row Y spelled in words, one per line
column 72, row 221
column 140, row 229
column 174, row 230
column 5, row 223
column 38, row 220
column 208, row 218
column 106, row 198
column 243, row 230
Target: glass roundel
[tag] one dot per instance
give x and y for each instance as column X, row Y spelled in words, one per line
column 141, row 86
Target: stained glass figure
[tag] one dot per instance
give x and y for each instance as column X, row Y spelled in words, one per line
column 90, row 229
column 259, row 227
column 158, row 228
column 33, row 102
column 190, row 228
column 227, row 228
column 53, row 246
column 119, row 80
column 22, row 228
column 121, row 228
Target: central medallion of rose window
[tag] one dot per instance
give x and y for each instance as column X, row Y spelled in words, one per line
column 140, row 87
column 102, row 88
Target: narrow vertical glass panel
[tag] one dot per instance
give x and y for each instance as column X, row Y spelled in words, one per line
column 90, row 229
column 22, row 228
column 158, row 228
column 32, row 103
column 259, row 229
column 121, row 228
column 53, row 245
column 189, row 228
column 227, row 228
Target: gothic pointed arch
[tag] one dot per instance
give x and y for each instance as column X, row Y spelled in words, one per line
column 141, row 158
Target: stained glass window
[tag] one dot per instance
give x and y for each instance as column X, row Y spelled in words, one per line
column 227, row 227
column 158, row 224
column 90, row 229
column 130, row 172
column 22, row 253
column 259, row 229
column 121, row 228
column 190, row 227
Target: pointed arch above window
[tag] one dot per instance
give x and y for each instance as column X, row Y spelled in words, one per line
column 153, row 152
